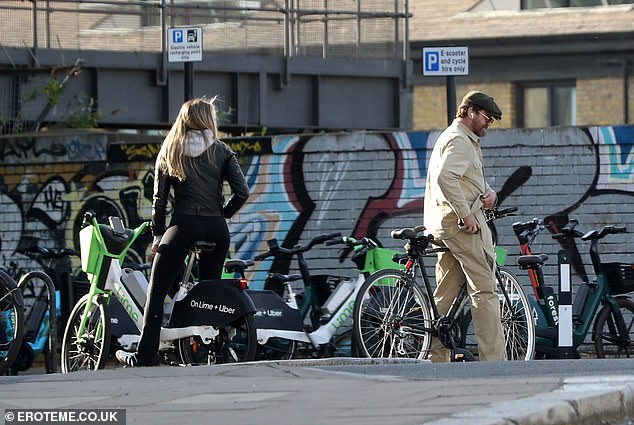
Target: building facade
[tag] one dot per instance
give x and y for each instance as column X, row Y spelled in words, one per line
column 547, row 63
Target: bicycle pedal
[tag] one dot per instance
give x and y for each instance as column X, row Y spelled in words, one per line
column 461, row 355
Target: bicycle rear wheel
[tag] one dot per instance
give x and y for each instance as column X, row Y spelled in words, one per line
column 276, row 349
column 234, row 343
column 87, row 350
column 607, row 340
column 11, row 321
column 516, row 317
column 391, row 317
column 517, row 320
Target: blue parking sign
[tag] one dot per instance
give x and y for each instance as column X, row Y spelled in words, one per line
column 432, row 61
column 177, row 36
column 445, row 61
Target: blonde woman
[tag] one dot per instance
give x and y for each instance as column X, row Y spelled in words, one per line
column 194, row 163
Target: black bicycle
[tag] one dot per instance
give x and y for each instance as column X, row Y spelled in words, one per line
column 396, row 316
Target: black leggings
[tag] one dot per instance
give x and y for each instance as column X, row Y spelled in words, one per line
column 182, row 232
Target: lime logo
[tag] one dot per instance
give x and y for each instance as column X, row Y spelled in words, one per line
column 126, row 303
column 340, row 320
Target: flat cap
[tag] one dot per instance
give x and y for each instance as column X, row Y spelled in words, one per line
column 482, row 101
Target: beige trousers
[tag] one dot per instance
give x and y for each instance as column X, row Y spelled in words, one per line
column 470, row 258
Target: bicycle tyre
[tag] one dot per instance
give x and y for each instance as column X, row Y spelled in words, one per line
column 11, row 321
column 516, row 318
column 90, row 350
column 276, row 349
column 234, row 343
column 607, row 342
column 391, row 317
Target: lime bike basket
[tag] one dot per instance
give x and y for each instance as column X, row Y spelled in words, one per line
column 91, row 250
column 620, row 277
column 376, row 259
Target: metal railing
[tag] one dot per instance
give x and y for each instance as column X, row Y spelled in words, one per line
column 373, row 29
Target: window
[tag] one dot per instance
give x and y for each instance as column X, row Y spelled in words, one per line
column 547, row 104
column 547, row 4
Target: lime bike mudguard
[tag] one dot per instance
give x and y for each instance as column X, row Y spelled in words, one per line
column 212, row 302
column 274, row 313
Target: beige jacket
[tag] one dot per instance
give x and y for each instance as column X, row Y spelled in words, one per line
column 455, row 181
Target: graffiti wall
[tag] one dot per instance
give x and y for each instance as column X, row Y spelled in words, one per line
column 358, row 184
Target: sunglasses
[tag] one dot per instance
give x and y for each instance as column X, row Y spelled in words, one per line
column 488, row 119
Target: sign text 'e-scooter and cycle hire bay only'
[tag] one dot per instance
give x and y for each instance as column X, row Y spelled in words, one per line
column 185, row 44
column 439, row 61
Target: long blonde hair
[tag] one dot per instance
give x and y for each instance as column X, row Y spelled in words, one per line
column 195, row 114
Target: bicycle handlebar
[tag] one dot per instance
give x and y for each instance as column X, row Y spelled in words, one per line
column 569, row 231
column 495, row 213
column 352, row 242
column 528, row 230
column 610, row 229
column 39, row 251
column 275, row 249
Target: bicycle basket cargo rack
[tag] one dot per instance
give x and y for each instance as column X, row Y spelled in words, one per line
column 620, row 277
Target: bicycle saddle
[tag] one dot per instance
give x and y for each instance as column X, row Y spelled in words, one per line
column 525, row 261
column 203, row 246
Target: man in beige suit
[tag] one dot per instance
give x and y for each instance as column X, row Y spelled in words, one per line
column 456, row 193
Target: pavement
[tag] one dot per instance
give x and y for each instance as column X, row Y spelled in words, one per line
column 341, row 391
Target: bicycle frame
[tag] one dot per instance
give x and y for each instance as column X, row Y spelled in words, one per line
column 103, row 267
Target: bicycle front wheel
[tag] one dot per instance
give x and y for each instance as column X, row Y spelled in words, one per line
column 235, row 343
column 608, row 340
column 11, row 321
column 391, row 317
column 86, row 348
column 516, row 318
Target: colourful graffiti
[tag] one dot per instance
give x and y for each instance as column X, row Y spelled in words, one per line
column 359, row 184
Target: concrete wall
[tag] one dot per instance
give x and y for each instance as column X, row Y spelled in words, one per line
column 305, row 185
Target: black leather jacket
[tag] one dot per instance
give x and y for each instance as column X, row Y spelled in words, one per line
column 201, row 193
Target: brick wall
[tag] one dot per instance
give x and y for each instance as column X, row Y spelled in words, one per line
column 429, row 109
column 599, row 102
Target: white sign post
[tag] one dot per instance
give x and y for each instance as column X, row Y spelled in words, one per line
column 448, row 62
column 185, row 44
column 442, row 61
